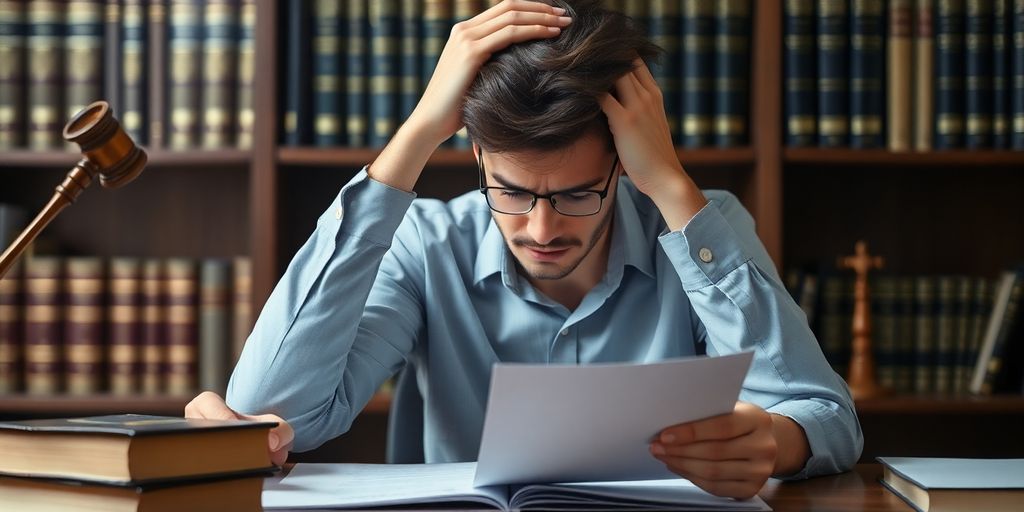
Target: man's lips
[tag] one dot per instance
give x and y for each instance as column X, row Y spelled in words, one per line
column 547, row 254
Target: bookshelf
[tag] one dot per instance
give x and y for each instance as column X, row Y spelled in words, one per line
column 810, row 204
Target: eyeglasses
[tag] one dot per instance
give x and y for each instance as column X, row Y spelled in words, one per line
column 511, row 201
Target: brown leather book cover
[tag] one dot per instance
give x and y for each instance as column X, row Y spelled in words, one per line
column 83, row 326
column 182, row 310
column 11, row 330
column 44, row 315
column 124, row 317
column 151, row 378
column 898, row 100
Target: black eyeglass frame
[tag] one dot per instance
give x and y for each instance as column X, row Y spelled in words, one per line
column 602, row 194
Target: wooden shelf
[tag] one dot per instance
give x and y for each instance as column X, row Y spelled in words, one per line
column 313, row 156
column 63, row 405
column 908, row 160
column 943, row 404
column 157, row 158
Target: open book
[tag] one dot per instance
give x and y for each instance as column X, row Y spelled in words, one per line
column 320, row 486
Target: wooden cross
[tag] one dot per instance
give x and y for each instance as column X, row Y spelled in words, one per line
column 861, row 377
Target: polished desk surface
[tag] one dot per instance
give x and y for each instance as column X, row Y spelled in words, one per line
column 857, row 490
column 854, row 491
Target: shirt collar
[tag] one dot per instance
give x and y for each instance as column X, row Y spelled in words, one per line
column 629, row 246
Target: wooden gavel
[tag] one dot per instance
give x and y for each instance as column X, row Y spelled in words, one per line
column 107, row 151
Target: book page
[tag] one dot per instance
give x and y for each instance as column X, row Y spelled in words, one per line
column 561, row 423
column 363, row 485
column 671, row 494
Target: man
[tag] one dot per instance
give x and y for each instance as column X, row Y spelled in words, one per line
column 560, row 259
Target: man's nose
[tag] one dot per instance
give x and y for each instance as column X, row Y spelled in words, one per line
column 543, row 222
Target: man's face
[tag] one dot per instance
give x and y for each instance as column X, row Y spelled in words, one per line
column 547, row 244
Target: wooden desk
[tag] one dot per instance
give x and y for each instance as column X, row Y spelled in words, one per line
column 853, row 491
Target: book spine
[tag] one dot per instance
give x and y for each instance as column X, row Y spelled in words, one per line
column 997, row 363
column 613, row 5
column 112, row 56
column 43, row 333
column 636, row 9
column 214, row 324
column 124, row 317
column 898, row 66
column 464, row 10
column 924, row 71
column 664, row 26
column 963, row 311
column 884, row 330
column 184, row 77
column 1001, row 44
column 698, row 72
column 924, row 334
column 83, row 54
column 905, row 334
column 732, row 65
column 246, row 73
column 134, row 70
column 182, row 303
column 1017, row 77
column 945, row 335
column 298, row 106
column 833, row 321
column 437, row 16
column 949, row 74
column 867, row 72
column 241, row 307
column 978, row 46
column 833, row 73
column 45, row 48
column 11, row 330
column 220, row 38
column 154, row 349
column 12, row 74
column 981, row 308
column 157, row 60
column 800, row 73
column 411, row 75
column 384, row 70
column 327, row 72
column 357, row 69
column 84, row 351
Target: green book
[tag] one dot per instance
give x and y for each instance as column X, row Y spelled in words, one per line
column 220, row 39
column 214, row 324
column 45, row 80
column 12, row 74
column 83, row 54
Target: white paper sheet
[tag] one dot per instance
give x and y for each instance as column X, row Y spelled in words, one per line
column 555, row 423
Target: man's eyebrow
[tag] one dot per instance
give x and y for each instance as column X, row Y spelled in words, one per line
column 578, row 188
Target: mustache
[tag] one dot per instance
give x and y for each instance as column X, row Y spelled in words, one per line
column 554, row 245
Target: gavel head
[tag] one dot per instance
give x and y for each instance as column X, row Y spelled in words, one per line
column 106, row 145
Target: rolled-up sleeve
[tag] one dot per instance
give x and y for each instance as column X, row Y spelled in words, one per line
column 736, row 292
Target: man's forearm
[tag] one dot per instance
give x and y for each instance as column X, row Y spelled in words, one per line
column 679, row 200
column 793, row 449
column 401, row 162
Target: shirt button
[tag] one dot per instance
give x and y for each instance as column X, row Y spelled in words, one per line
column 705, row 255
column 338, row 213
column 565, row 332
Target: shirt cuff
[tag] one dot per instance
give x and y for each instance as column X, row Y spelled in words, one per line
column 705, row 250
column 368, row 209
column 813, row 417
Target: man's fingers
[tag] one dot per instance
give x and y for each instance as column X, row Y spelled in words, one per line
column 718, row 470
column 513, row 5
column 512, row 34
column 742, row 448
column 279, row 440
column 517, row 18
column 610, row 106
column 643, row 73
column 209, row 405
column 731, row 488
column 727, row 426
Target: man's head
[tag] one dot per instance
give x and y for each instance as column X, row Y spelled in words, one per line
column 534, row 117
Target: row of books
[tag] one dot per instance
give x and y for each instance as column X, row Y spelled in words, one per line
column 355, row 69
column 86, row 325
column 931, row 334
column 904, row 74
column 178, row 73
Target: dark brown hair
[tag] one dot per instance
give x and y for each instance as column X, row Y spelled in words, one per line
column 541, row 95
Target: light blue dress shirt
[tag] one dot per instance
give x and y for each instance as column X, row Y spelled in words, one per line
column 387, row 281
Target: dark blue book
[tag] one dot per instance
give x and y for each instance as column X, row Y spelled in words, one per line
column 246, row 73
column 925, row 345
column 732, row 67
column 385, row 70
column 411, row 77
column 134, row 70
column 663, row 26
column 949, row 74
column 800, row 73
column 833, row 73
column 298, row 104
column 1017, row 77
column 185, row 44
column 1001, row 84
column 978, row 43
column 112, row 56
column 12, row 75
column 220, row 52
column 698, row 72
column 45, row 61
column 437, row 24
column 357, row 72
column 328, row 91
column 464, row 10
column 867, row 73
column 83, row 55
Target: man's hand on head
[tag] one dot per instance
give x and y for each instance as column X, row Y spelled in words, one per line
column 210, row 405
column 730, row 455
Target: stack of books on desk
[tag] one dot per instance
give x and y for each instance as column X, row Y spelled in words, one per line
column 133, row 462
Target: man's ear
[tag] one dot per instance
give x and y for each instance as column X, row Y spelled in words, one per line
column 476, row 152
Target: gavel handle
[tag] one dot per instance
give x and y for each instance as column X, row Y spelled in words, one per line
column 77, row 179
